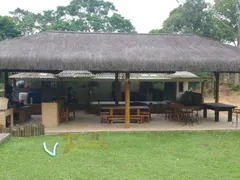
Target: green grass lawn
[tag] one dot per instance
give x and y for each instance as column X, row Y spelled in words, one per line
column 178, row 155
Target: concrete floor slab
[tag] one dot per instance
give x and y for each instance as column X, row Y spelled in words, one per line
column 91, row 123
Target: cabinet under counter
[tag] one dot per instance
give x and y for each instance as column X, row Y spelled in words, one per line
column 50, row 114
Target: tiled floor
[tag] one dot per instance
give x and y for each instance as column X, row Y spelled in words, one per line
column 91, row 123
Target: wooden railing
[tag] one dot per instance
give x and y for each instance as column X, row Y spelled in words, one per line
column 24, row 130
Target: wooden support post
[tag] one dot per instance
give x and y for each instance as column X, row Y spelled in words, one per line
column 116, row 89
column 177, row 89
column 89, row 96
column 14, row 83
column 119, row 91
column 217, row 87
column 202, row 91
column 127, row 101
column 5, row 84
column 213, row 85
column 185, row 86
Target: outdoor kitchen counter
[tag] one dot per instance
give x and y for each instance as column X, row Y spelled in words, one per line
column 21, row 114
column 51, row 113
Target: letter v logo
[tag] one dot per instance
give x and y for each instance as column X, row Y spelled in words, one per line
column 53, row 154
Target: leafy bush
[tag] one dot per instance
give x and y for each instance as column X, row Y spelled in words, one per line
column 194, row 85
column 1, row 86
column 202, row 74
column 236, row 87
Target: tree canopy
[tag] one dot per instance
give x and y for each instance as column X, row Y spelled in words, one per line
column 226, row 12
column 8, row 28
column 79, row 15
column 218, row 21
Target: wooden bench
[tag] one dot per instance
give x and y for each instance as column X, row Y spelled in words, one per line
column 112, row 118
column 104, row 114
column 146, row 116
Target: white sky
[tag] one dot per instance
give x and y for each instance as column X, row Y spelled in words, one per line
column 144, row 14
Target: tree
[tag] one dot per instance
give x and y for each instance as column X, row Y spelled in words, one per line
column 8, row 29
column 220, row 21
column 197, row 17
column 156, row 31
column 192, row 16
column 226, row 13
column 79, row 15
column 25, row 21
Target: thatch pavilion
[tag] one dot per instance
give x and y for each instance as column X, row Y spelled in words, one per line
column 118, row 53
column 94, row 91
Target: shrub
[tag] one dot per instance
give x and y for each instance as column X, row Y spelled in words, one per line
column 236, row 87
column 1, row 86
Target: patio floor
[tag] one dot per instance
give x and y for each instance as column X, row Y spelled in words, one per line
column 91, row 123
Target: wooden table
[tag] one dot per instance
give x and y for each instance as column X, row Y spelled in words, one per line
column 122, row 108
column 217, row 107
column 119, row 112
column 4, row 114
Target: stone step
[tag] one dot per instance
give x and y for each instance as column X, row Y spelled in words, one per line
column 4, row 137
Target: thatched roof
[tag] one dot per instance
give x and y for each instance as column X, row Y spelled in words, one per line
column 70, row 75
column 32, row 76
column 75, row 74
column 183, row 74
column 110, row 52
column 149, row 76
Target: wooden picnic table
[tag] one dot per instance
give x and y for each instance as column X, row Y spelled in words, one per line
column 217, row 107
column 122, row 108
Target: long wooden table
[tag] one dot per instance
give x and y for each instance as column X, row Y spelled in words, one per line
column 109, row 103
column 217, row 107
column 117, row 112
column 122, row 108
